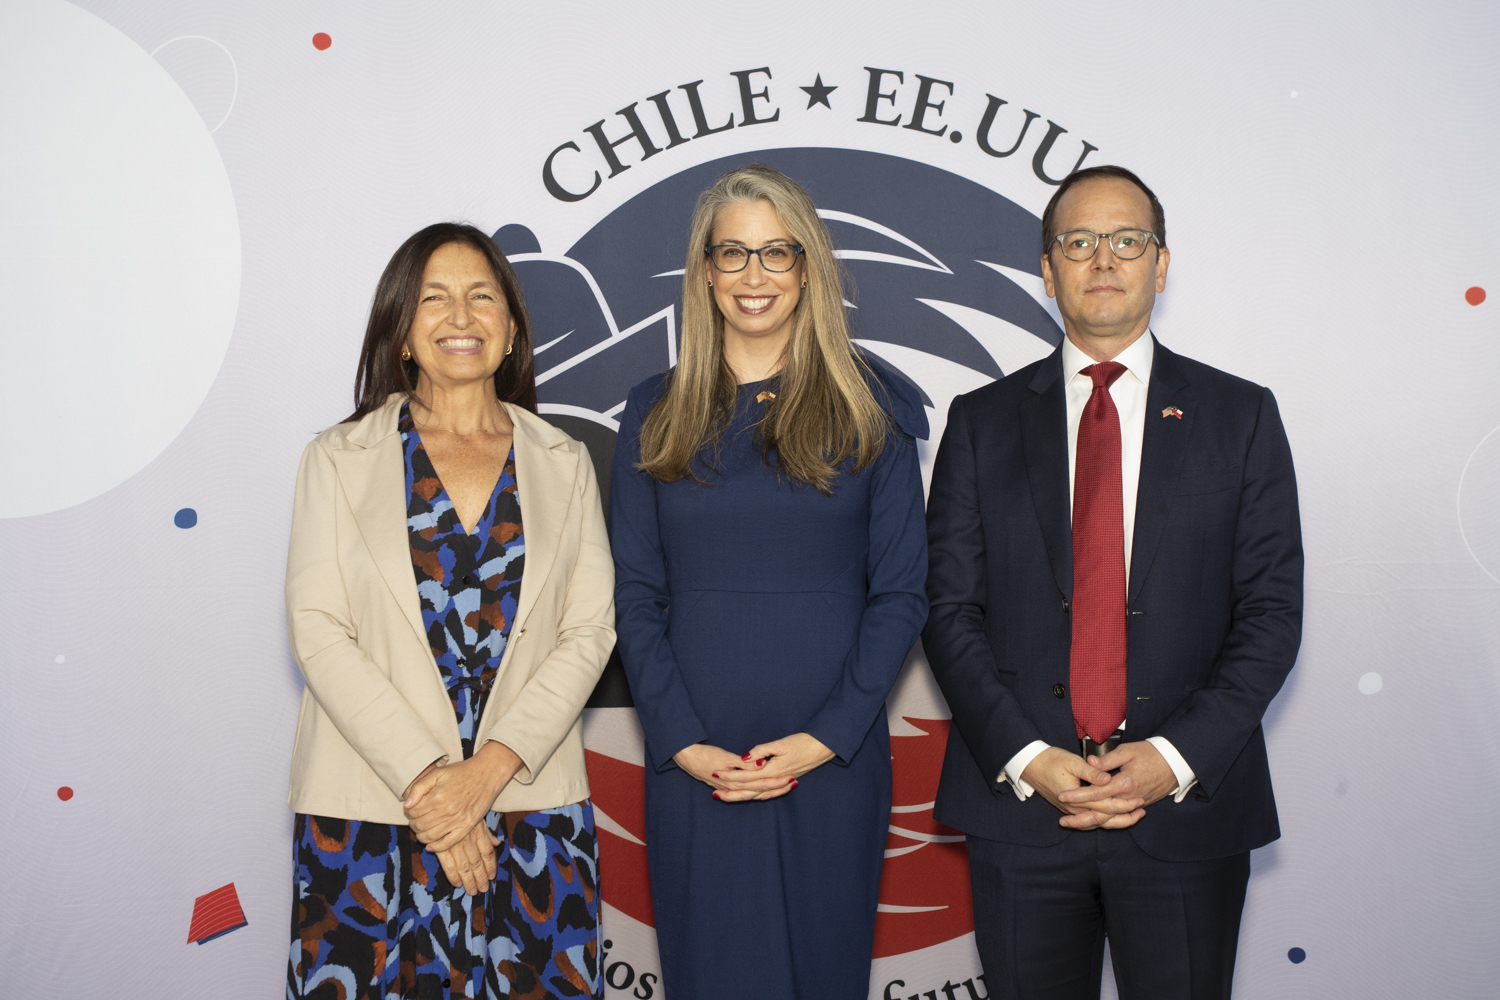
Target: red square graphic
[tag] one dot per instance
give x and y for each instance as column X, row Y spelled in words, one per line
column 216, row 913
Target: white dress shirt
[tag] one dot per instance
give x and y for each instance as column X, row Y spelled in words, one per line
column 1129, row 395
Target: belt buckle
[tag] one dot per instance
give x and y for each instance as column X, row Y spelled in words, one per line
column 1087, row 747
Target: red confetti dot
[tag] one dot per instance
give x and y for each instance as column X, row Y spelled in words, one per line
column 65, row 793
column 321, row 41
column 1474, row 296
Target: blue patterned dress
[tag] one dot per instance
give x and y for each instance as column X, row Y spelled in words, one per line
column 374, row 917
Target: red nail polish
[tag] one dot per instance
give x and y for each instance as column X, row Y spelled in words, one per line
column 794, row 783
column 761, row 762
column 746, row 757
column 716, row 794
column 716, row 774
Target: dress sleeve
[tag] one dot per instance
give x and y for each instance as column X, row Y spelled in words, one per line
column 366, row 708
column 895, row 602
column 642, row 598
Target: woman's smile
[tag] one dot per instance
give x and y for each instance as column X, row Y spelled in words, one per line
column 461, row 345
column 755, row 305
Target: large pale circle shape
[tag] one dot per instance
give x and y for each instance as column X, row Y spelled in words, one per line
column 119, row 256
column 1479, row 504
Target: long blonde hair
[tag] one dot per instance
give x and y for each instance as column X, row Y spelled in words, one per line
column 824, row 412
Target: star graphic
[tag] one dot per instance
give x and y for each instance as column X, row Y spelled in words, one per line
column 818, row 94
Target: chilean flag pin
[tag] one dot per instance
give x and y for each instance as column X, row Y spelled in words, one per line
column 1172, row 411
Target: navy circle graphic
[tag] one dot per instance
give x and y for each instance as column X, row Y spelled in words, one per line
column 187, row 517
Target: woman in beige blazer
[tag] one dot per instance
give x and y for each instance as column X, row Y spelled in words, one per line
column 449, row 599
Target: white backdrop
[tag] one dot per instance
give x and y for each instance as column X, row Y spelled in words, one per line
column 196, row 201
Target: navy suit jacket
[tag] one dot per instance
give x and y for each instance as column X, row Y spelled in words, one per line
column 1214, row 602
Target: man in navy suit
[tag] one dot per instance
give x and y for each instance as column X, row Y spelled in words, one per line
column 1116, row 594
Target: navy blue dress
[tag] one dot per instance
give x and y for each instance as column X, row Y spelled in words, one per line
column 748, row 610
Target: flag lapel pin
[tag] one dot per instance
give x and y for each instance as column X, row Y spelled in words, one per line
column 1172, row 411
column 763, row 397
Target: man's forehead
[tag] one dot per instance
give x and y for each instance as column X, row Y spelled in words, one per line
column 1103, row 201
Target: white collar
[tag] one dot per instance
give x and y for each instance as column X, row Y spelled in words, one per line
column 1136, row 358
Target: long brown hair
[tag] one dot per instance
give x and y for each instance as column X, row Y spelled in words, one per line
column 824, row 412
column 381, row 370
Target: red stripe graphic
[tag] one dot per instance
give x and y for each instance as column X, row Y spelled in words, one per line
column 215, row 912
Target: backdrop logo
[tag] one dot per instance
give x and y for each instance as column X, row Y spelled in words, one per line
column 946, row 279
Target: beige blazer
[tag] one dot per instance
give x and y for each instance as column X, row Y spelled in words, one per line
column 375, row 711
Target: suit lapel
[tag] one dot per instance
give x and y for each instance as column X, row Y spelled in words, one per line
column 546, row 469
column 374, row 480
column 1044, row 436
column 1163, row 449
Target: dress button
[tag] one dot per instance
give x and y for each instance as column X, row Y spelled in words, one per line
column 472, row 580
column 1065, row 605
column 1058, row 691
column 447, row 983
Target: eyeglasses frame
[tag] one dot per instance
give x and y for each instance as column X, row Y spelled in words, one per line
column 796, row 248
column 1105, row 238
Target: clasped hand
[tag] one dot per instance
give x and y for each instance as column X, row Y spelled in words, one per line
column 767, row 771
column 1089, row 796
column 446, row 806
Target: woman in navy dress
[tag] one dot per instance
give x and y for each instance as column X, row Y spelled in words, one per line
column 770, row 555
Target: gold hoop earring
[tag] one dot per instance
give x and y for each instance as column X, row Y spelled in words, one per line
column 512, row 347
column 406, row 354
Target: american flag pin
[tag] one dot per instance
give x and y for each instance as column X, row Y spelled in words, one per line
column 1172, row 411
column 765, row 396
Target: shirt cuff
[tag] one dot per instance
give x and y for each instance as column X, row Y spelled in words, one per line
column 1186, row 779
column 1017, row 764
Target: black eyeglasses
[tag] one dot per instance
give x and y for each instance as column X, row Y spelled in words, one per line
column 731, row 257
column 1126, row 244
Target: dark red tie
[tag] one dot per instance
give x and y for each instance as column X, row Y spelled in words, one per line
column 1097, row 661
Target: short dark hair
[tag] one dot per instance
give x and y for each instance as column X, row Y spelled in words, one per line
column 381, row 370
column 1049, row 215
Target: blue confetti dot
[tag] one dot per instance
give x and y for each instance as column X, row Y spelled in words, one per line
column 185, row 518
column 1297, row 955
